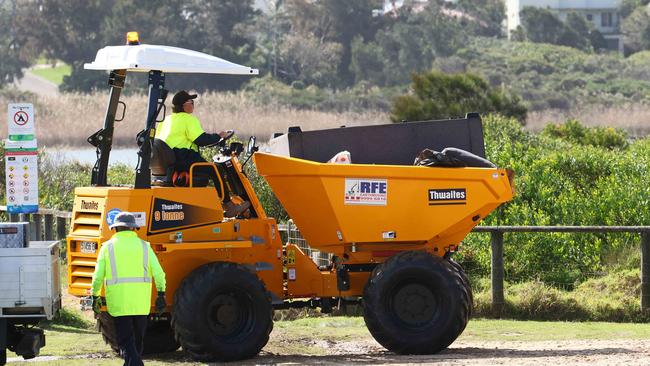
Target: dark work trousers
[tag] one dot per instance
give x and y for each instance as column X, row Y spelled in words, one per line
column 185, row 158
column 130, row 332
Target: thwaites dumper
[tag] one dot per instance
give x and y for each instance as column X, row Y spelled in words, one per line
column 391, row 230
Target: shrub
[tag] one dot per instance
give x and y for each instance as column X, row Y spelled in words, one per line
column 560, row 181
column 575, row 132
column 436, row 95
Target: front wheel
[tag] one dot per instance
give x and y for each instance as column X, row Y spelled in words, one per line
column 416, row 303
column 222, row 312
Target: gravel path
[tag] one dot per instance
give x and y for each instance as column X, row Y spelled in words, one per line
column 37, row 85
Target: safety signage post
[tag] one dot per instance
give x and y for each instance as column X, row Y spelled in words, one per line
column 21, row 160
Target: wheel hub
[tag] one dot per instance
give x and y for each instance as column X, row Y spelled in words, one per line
column 414, row 304
column 224, row 314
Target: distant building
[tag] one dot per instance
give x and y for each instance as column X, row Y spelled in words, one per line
column 391, row 6
column 603, row 14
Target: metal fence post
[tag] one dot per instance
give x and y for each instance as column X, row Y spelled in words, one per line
column 49, row 226
column 645, row 270
column 496, row 241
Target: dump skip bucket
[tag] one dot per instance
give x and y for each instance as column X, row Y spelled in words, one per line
column 391, row 144
column 337, row 204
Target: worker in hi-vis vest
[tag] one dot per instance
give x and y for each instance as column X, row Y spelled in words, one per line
column 125, row 266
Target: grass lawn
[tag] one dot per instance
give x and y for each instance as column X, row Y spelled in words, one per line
column 295, row 338
column 53, row 74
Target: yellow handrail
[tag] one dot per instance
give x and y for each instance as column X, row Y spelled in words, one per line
column 221, row 193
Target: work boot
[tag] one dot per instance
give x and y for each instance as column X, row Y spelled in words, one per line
column 232, row 210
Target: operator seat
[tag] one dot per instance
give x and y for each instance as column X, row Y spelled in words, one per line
column 162, row 165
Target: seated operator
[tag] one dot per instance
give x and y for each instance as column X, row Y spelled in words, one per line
column 182, row 132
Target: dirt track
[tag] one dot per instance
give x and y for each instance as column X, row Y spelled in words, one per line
column 574, row 352
column 366, row 352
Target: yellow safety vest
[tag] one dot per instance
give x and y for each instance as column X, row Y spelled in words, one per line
column 126, row 265
column 179, row 130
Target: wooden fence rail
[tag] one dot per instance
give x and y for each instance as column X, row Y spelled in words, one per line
column 45, row 225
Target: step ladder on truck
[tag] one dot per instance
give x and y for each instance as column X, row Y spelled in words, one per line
column 29, row 290
column 391, row 229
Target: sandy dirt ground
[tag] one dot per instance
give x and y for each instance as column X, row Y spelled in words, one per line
column 368, row 352
column 574, row 352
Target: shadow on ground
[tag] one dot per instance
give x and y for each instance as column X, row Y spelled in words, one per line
column 452, row 355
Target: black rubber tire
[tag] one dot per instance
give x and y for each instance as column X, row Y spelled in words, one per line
column 466, row 283
column 416, row 303
column 158, row 339
column 106, row 327
column 222, row 312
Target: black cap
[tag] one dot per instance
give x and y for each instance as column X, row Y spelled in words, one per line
column 182, row 97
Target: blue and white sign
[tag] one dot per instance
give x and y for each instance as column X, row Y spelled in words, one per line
column 360, row 191
column 110, row 215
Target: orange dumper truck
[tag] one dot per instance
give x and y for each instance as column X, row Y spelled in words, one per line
column 391, row 230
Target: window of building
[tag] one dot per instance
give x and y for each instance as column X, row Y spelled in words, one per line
column 606, row 19
column 590, row 17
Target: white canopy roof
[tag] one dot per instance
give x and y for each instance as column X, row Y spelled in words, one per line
column 145, row 58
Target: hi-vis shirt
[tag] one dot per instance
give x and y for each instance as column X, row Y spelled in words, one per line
column 125, row 266
column 179, row 130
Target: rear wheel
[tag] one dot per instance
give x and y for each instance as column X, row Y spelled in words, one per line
column 466, row 283
column 416, row 303
column 158, row 339
column 222, row 312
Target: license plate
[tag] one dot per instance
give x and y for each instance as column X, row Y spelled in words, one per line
column 88, row 247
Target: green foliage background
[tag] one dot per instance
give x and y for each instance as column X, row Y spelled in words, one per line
column 436, row 95
column 563, row 177
column 549, row 76
column 566, row 175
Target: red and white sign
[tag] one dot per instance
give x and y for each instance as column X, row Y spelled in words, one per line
column 20, row 121
column 365, row 191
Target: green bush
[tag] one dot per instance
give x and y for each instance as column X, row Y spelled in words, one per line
column 561, row 180
column 436, row 95
column 576, row 133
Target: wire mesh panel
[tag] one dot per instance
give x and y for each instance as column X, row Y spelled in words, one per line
column 294, row 237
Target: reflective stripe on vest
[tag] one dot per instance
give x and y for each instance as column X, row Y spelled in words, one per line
column 116, row 279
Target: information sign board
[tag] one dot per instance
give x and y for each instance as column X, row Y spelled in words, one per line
column 20, row 120
column 21, row 168
column 21, row 159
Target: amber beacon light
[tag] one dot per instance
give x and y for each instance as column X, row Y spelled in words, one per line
column 132, row 38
